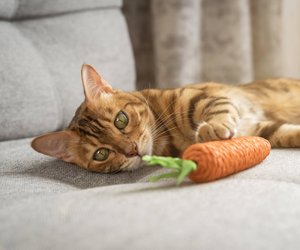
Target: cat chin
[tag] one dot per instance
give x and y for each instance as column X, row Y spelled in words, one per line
column 135, row 163
column 145, row 148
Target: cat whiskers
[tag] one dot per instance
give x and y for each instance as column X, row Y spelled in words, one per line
column 173, row 114
column 160, row 130
column 159, row 118
column 155, row 127
column 166, row 122
column 158, row 134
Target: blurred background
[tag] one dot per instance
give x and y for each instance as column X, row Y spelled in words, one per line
column 233, row 41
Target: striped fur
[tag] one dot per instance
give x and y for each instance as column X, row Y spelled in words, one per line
column 165, row 122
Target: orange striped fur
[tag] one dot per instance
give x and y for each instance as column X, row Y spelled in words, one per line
column 165, row 122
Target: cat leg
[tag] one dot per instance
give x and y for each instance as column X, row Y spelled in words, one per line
column 219, row 120
column 280, row 134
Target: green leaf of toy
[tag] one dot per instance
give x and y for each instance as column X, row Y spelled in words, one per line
column 168, row 162
column 187, row 168
column 182, row 168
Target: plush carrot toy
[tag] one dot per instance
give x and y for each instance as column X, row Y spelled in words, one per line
column 204, row 162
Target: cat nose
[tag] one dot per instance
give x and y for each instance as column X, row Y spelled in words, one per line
column 132, row 151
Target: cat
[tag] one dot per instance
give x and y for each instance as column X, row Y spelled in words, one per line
column 112, row 129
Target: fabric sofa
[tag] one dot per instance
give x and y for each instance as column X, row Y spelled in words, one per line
column 49, row 204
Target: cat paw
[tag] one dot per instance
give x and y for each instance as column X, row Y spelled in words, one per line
column 215, row 131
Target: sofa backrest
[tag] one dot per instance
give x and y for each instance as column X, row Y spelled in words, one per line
column 42, row 47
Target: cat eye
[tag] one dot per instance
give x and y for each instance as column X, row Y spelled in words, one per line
column 101, row 154
column 121, row 120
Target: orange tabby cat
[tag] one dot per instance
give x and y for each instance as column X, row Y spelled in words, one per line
column 112, row 129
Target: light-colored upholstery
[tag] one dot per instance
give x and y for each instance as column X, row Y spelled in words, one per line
column 48, row 204
column 17, row 9
column 29, row 104
column 41, row 59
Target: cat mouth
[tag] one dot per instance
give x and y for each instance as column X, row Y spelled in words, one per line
column 135, row 161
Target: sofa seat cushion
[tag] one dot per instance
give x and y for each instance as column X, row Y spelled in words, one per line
column 49, row 204
column 26, row 174
column 233, row 214
column 10, row 9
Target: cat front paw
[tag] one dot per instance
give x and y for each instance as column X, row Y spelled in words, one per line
column 213, row 131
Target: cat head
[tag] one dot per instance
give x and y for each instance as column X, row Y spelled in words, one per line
column 110, row 132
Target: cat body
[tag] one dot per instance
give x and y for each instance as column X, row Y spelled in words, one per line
column 212, row 111
column 112, row 129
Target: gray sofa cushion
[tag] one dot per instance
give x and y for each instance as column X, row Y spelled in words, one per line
column 10, row 9
column 95, row 37
column 41, row 61
column 48, row 204
column 29, row 105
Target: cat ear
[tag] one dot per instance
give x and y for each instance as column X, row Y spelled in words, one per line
column 93, row 83
column 55, row 144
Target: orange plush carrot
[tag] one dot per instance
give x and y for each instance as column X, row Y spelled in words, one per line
column 203, row 162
